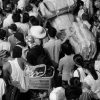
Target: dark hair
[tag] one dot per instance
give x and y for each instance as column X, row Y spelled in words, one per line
column 36, row 2
column 81, row 3
column 74, row 90
column 13, row 27
column 25, row 18
column 67, row 48
column 20, row 37
column 28, row 8
column 75, row 81
column 33, row 55
column 85, row 17
column 16, row 17
column 18, row 11
column 52, row 32
column 2, row 34
column 78, row 59
column 16, row 52
column 33, row 20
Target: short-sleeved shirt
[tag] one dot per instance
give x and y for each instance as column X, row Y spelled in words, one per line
column 53, row 47
column 66, row 65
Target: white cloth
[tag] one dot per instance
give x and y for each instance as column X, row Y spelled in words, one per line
column 80, row 13
column 81, row 72
column 94, row 84
column 4, row 45
column 53, row 46
column 8, row 21
column 57, row 94
column 2, row 88
column 22, row 27
column 17, row 75
column 62, row 22
column 22, row 4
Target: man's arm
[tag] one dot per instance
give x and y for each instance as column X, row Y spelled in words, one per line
column 6, row 73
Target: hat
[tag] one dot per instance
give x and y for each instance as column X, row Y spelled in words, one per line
column 37, row 32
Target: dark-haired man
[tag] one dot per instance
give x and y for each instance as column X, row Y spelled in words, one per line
column 53, row 46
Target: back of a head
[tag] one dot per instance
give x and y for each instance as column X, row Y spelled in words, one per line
column 78, row 59
column 18, row 11
column 33, row 20
column 2, row 34
column 85, row 16
column 16, row 17
column 52, row 32
column 67, row 48
column 25, row 18
column 19, row 36
column 28, row 8
column 16, row 53
column 13, row 27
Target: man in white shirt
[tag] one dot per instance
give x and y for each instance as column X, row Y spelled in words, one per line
column 53, row 46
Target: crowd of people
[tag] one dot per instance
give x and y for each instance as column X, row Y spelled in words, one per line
column 33, row 32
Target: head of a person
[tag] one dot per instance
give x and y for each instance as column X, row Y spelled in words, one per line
column 74, row 90
column 38, row 33
column 81, row 4
column 25, row 18
column 8, row 8
column 67, row 48
column 16, row 53
column 19, row 38
column 12, row 28
column 33, row 55
column 16, row 17
column 28, row 8
column 36, row 2
column 78, row 59
column 18, row 11
column 85, row 17
column 2, row 34
column 52, row 32
column 34, row 21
